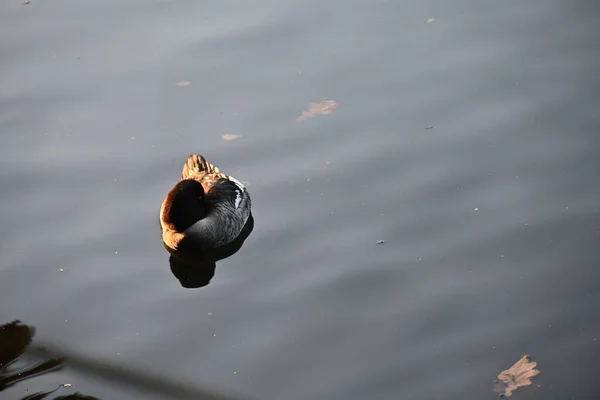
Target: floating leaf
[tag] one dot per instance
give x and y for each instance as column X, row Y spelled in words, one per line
column 184, row 83
column 516, row 376
column 230, row 136
column 321, row 108
column 430, row 20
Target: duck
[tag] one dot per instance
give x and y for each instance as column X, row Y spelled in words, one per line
column 205, row 210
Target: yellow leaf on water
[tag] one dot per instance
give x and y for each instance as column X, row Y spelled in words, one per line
column 430, row 20
column 230, row 136
column 516, row 376
column 320, row 108
column 184, row 83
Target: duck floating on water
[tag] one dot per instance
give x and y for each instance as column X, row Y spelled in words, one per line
column 206, row 210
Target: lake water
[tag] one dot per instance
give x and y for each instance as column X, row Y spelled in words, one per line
column 465, row 137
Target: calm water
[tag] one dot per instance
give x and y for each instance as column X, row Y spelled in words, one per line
column 94, row 132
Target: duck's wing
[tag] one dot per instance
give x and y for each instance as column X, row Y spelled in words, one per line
column 226, row 190
column 196, row 167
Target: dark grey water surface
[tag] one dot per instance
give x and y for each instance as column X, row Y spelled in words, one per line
column 94, row 132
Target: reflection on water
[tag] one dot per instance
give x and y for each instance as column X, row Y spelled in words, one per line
column 195, row 269
column 15, row 338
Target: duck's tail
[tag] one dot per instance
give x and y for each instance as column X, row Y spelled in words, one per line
column 195, row 165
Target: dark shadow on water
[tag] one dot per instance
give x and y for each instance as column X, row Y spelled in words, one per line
column 16, row 347
column 15, row 339
column 194, row 269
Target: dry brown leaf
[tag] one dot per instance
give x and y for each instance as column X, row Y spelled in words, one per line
column 184, row 83
column 516, row 376
column 230, row 136
column 321, row 108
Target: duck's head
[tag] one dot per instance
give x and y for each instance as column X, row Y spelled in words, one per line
column 184, row 205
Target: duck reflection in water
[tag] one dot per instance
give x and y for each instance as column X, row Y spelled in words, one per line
column 194, row 268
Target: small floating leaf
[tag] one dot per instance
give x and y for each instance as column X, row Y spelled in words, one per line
column 516, row 376
column 320, row 108
column 430, row 20
column 230, row 136
column 184, row 83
